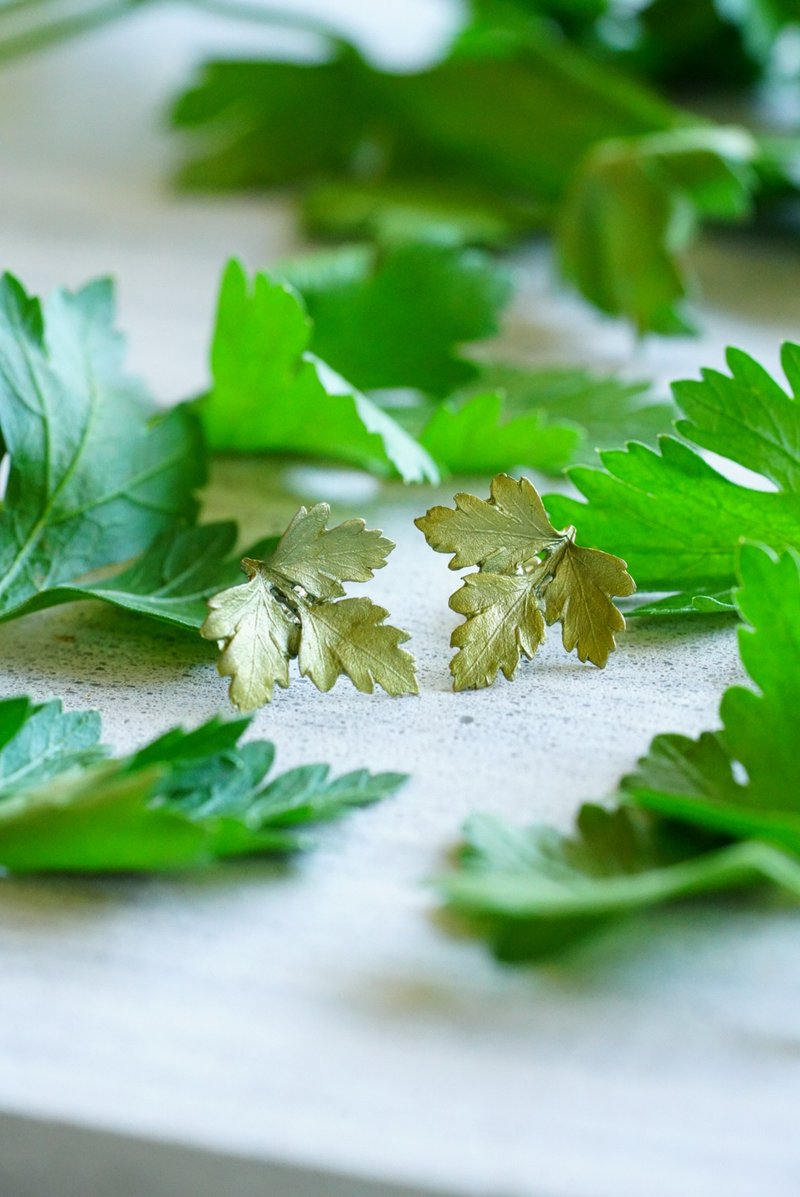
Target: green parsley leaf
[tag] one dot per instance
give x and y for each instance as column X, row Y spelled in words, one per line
column 473, row 436
column 659, row 186
column 171, row 581
column 270, row 394
column 96, row 472
column 389, row 211
column 534, row 891
column 183, row 801
column 287, row 609
column 678, row 521
column 747, row 417
column 397, row 316
column 697, row 781
column 545, row 419
column 468, row 117
column 38, row 741
column 606, row 409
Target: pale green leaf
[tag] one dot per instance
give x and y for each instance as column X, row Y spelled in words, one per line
column 255, row 631
column 350, row 638
column 503, row 622
column 498, row 533
column 319, row 559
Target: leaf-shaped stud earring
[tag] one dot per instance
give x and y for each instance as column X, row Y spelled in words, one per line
column 528, row 574
column 292, row 606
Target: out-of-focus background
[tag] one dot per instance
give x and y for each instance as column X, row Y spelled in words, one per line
column 318, row 1033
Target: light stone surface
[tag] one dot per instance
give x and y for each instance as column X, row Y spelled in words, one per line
column 317, row 1022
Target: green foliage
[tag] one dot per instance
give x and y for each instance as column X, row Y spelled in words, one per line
column 632, row 209
column 396, row 316
column 184, row 800
column 96, row 472
column 270, row 394
column 541, row 419
column 678, row 520
column 468, row 117
column 698, row 816
column 528, row 127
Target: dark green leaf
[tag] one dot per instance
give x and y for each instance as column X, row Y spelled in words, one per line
column 96, row 472
column 184, row 800
column 397, row 316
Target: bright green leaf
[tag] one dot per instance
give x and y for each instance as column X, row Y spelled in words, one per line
column 678, row 521
column 271, row 395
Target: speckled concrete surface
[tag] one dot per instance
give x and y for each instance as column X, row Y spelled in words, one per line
column 320, row 1016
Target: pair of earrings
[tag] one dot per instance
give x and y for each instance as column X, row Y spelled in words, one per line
column 528, row 575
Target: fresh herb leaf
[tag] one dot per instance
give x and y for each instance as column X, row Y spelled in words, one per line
column 607, row 155
column 172, row 805
column 545, row 419
column 468, row 117
column 38, row 741
column 288, row 608
column 678, row 521
column 529, row 574
column 747, row 417
column 660, row 186
column 396, row 316
column 386, row 211
column 171, row 581
column 534, row 891
column 270, row 394
column 698, row 781
column 270, row 123
column 96, row 472
column 607, row 409
column 474, row 436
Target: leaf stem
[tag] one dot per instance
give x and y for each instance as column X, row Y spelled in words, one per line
column 52, row 32
column 43, row 32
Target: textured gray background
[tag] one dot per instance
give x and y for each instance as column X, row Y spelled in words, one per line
column 317, row 1022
